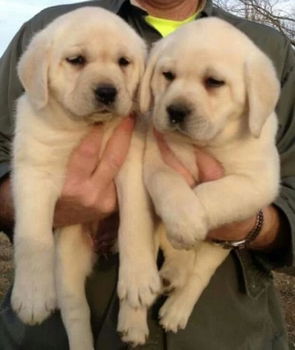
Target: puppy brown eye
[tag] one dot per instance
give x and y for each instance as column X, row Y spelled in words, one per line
column 213, row 83
column 123, row 61
column 76, row 60
column 169, row 76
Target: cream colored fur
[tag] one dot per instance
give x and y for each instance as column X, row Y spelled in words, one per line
column 234, row 122
column 55, row 113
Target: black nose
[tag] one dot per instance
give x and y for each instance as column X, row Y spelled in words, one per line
column 106, row 94
column 177, row 113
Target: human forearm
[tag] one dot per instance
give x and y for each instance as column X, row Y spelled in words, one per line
column 274, row 234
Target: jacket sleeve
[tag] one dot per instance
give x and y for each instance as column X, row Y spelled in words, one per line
column 10, row 90
column 284, row 60
column 286, row 147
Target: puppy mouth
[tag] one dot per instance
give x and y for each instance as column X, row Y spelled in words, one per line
column 104, row 111
column 105, row 108
column 101, row 115
column 172, row 129
column 178, row 128
column 195, row 128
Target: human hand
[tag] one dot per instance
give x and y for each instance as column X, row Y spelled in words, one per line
column 89, row 191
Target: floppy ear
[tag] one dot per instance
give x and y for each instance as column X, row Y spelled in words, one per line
column 145, row 92
column 139, row 64
column 263, row 90
column 33, row 70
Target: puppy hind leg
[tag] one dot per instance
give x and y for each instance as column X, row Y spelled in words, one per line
column 177, row 266
column 132, row 324
column 73, row 263
column 175, row 312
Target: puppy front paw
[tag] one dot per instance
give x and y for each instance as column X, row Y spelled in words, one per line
column 33, row 296
column 139, row 284
column 186, row 230
column 185, row 220
column 132, row 324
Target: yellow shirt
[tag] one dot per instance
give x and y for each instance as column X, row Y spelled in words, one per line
column 167, row 26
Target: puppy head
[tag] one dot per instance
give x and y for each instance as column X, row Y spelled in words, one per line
column 206, row 77
column 89, row 61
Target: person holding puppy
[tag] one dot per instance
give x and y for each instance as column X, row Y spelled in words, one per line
column 239, row 309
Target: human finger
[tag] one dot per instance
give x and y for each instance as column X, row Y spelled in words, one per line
column 83, row 160
column 115, row 152
column 171, row 160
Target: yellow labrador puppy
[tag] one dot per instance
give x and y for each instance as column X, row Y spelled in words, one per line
column 74, row 76
column 207, row 85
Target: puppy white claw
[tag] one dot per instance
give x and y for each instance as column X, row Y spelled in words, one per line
column 33, row 297
column 139, row 287
column 132, row 324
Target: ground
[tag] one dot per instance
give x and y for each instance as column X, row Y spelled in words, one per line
column 284, row 283
column 286, row 287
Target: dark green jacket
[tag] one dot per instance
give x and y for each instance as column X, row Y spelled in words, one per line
column 239, row 309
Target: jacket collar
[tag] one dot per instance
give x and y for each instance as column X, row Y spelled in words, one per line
column 115, row 6
column 112, row 5
column 207, row 10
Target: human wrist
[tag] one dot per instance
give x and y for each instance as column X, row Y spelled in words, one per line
column 274, row 234
column 261, row 232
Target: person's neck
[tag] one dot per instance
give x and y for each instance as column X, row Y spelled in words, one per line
column 177, row 10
